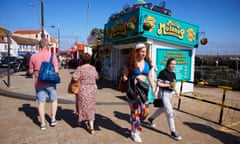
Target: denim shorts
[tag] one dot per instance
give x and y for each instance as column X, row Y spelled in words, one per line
column 43, row 91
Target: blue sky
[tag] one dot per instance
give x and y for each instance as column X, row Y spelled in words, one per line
column 219, row 19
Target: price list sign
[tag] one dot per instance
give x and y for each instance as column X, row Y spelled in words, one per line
column 183, row 58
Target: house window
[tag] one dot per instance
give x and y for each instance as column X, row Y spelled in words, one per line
column 5, row 47
column 36, row 35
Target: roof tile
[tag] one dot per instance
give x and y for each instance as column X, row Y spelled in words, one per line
column 21, row 40
column 27, row 32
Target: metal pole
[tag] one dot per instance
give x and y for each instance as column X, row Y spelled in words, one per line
column 42, row 18
column 58, row 39
column 8, row 80
column 222, row 106
column 179, row 100
column 87, row 24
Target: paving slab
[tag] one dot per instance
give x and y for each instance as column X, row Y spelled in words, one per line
column 196, row 121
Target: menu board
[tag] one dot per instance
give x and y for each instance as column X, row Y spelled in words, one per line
column 183, row 59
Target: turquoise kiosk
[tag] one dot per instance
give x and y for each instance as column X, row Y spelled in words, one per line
column 166, row 37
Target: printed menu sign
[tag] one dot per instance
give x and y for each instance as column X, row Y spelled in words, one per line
column 183, row 58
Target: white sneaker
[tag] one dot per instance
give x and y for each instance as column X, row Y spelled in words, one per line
column 175, row 136
column 136, row 137
column 152, row 124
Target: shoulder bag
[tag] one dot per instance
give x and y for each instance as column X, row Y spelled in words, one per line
column 74, row 86
column 47, row 72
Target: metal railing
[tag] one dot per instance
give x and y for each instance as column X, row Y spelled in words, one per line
column 222, row 104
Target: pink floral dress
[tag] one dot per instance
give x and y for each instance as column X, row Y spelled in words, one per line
column 86, row 98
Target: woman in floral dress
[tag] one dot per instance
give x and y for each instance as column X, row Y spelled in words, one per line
column 86, row 98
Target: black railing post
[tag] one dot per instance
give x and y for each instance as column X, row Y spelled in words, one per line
column 180, row 94
column 222, row 107
column 9, row 54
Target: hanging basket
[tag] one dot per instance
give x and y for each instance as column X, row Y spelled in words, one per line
column 204, row 41
column 147, row 26
column 130, row 26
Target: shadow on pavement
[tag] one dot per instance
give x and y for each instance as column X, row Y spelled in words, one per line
column 103, row 83
column 30, row 112
column 126, row 117
column 67, row 115
column 71, row 118
column 225, row 138
column 124, row 98
column 206, row 119
column 107, row 123
column 100, row 122
column 11, row 94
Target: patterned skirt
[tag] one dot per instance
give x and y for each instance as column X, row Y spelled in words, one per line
column 139, row 112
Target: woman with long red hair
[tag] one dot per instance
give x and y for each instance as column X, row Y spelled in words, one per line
column 138, row 67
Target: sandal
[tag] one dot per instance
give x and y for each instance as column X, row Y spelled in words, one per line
column 91, row 131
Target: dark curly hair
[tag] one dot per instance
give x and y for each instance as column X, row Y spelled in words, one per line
column 86, row 58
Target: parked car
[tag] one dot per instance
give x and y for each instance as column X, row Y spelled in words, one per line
column 16, row 63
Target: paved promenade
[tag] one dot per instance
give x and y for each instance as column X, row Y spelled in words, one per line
column 196, row 122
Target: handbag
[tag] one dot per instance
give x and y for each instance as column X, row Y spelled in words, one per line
column 122, row 85
column 74, row 86
column 158, row 103
column 47, row 72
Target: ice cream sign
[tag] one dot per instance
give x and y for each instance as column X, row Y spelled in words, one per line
column 150, row 24
column 166, row 28
column 171, row 29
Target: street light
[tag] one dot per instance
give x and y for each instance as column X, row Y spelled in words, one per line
column 88, row 6
column 42, row 17
column 58, row 35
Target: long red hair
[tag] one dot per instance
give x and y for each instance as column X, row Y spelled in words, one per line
column 132, row 58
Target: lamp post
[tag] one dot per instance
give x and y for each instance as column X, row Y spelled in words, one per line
column 58, row 38
column 88, row 6
column 58, row 35
column 9, row 41
column 42, row 18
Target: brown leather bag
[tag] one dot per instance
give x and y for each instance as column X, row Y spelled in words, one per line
column 122, row 85
column 74, row 86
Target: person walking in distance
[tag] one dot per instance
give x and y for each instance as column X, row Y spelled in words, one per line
column 166, row 83
column 138, row 67
column 44, row 88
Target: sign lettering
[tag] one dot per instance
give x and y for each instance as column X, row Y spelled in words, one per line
column 171, row 29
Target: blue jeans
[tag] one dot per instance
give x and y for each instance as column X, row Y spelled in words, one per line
column 43, row 91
